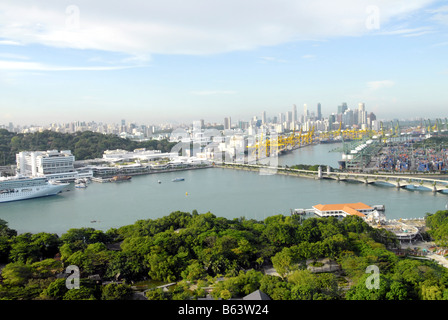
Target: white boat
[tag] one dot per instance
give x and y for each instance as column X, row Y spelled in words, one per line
column 178, row 179
column 22, row 188
column 81, row 185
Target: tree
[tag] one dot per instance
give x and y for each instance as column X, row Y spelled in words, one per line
column 114, row 291
column 225, row 294
column 438, row 227
column 93, row 259
column 194, row 271
column 275, row 287
column 127, row 266
column 284, row 262
column 46, row 268
column 48, row 244
column 84, row 236
column 5, row 231
column 16, row 274
column 161, row 266
column 397, row 291
column 83, row 293
column 432, row 292
column 362, row 292
column 56, row 290
column 23, row 249
column 158, row 294
column 309, row 286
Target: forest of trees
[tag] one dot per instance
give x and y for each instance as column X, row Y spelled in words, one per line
column 83, row 145
column 195, row 250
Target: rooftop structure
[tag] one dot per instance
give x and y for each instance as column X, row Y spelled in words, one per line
column 138, row 154
column 343, row 209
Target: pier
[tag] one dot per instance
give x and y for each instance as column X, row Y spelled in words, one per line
column 105, row 174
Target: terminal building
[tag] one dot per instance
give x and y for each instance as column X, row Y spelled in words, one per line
column 52, row 164
column 343, row 209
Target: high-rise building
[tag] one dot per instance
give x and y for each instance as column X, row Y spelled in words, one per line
column 342, row 108
column 263, row 117
column 347, row 117
column 294, row 113
column 362, row 114
column 305, row 111
column 289, row 117
column 319, row 112
column 227, row 123
column 281, row 117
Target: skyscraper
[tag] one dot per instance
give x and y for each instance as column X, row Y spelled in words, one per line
column 227, row 123
column 319, row 112
column 342, row 108
column 305, row 113
column 294, row 113
column 362, row 114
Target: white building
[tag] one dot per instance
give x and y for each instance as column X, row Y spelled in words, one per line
column 51, row 164
column 141, row 154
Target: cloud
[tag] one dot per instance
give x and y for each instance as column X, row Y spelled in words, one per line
column 375, row 85
column 308, row 56
column 271, row 59
column 212, row 92
column 36, row 66
column 10, row 43
column 440, row 14
column 408, row 32
column 13, row 56
column 189, row 27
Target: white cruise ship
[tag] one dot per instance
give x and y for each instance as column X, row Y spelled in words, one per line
column 21, row 188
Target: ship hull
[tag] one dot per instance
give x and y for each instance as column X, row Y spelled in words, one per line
column 47, row 191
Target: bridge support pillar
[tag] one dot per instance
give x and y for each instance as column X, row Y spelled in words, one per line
column 319, row 173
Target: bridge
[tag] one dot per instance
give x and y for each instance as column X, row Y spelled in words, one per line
column 398, row 180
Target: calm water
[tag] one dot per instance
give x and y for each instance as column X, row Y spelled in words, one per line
column 224, row 192
column 310, row 155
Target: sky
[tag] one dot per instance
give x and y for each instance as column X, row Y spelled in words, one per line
column 184, row 60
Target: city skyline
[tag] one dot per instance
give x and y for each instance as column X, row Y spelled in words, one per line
column 177, row 61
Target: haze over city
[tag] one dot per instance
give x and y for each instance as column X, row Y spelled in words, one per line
column 160, row 61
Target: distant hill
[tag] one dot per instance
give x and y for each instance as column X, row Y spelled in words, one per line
column 83, row 145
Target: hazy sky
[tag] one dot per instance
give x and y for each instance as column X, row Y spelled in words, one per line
column 153, row 61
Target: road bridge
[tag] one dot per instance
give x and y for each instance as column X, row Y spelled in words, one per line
column 397, row 180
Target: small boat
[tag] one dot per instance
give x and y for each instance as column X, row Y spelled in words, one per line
column 178, row 179
column 158, row 181
column 120, row 178
column 81, row 185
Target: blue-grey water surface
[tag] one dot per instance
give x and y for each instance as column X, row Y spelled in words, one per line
column 224, row 192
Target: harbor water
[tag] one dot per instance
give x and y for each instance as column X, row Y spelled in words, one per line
column 224, row 192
